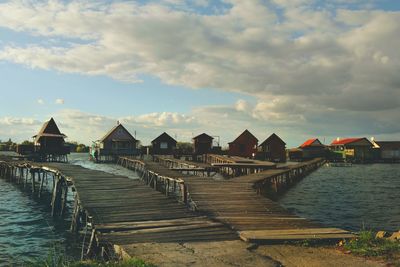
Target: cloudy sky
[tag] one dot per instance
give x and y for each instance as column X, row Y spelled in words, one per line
column 299, row 68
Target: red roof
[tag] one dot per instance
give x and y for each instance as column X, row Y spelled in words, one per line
column 345, row 141
column 309, row 142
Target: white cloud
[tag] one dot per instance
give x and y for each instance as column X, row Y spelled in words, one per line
column 40, row 101
column 59, row 101
column 311, row 62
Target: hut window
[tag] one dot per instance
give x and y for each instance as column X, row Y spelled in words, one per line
column 266, row 148
column 163, row 145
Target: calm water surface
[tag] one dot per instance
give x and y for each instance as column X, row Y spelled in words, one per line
column 353, row 198
column 362, row 195
column 27, row 231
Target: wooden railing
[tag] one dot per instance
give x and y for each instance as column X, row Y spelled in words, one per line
column 277, row 183
column 168, row 185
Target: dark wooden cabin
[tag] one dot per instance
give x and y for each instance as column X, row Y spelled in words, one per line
column 272, row 149
column 49, row 143
column 313, row 148
column 163, row 145
column 117, row 142
column 202, row 144
column 245, row 145
column 389, row 151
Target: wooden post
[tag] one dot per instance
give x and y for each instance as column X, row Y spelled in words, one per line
column 76, row 216
column 33, row 174
column 55, row 202
column 184, row 193
column 64, row 194
column 41, row 184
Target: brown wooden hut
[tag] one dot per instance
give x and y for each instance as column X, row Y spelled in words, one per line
column 163, row 145
column 49, row 143
column 117, row 142
column 245, row 145
column 313, row 148
column 273, row 149
column 202, row 144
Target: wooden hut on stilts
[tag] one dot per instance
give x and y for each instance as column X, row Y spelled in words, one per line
column 49, row 144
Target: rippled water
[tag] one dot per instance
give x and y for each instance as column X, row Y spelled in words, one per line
column 27, row 231
column 350, row 198
column 353, row 198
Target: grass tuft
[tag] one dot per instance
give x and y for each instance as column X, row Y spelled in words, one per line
column 367, row 245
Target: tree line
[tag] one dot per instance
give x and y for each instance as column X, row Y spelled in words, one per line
column 12, row 146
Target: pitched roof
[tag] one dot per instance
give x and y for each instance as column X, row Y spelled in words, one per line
column 310, row 142
column 246, row 133
column 164, row 136
column 271, row 137
column 346, row 141
column 49, row 129
column 113, row 129
column 203, row 135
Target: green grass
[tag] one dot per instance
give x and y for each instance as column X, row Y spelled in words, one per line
column 367, row 245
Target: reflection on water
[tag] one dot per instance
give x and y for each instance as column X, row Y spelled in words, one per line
column 361, row 196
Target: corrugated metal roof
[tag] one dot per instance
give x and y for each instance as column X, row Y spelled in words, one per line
column 309, row 142
column 346, row 141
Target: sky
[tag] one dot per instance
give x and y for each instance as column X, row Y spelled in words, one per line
column 298, row 68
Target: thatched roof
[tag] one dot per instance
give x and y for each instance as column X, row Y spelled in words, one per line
column 49, row 129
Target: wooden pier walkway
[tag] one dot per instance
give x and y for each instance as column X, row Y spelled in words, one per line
column 120, row 210
column 235, row 202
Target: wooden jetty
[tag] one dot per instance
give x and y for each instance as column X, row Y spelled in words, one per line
column 235, row 201
column 233, row 166
column 190, row 167
column 113, row 210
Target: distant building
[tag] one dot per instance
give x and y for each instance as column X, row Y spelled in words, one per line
column 313, row 148
column 163, row 145
column 354, row 149
column 245, row 145
column 273, row 149
column 49, row 143
column 202, row 144
column 117, row 142
column 388, row 150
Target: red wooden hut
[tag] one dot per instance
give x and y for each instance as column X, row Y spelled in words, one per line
column 245, row 145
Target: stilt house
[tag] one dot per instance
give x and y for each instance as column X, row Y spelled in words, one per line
column 273, row 149
column 245, row 145
column 389, row 151
column 354, row 149
column 202, row 144
column 117, row 142
column 163, row 145
column 313, row 148
column 49, row 143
